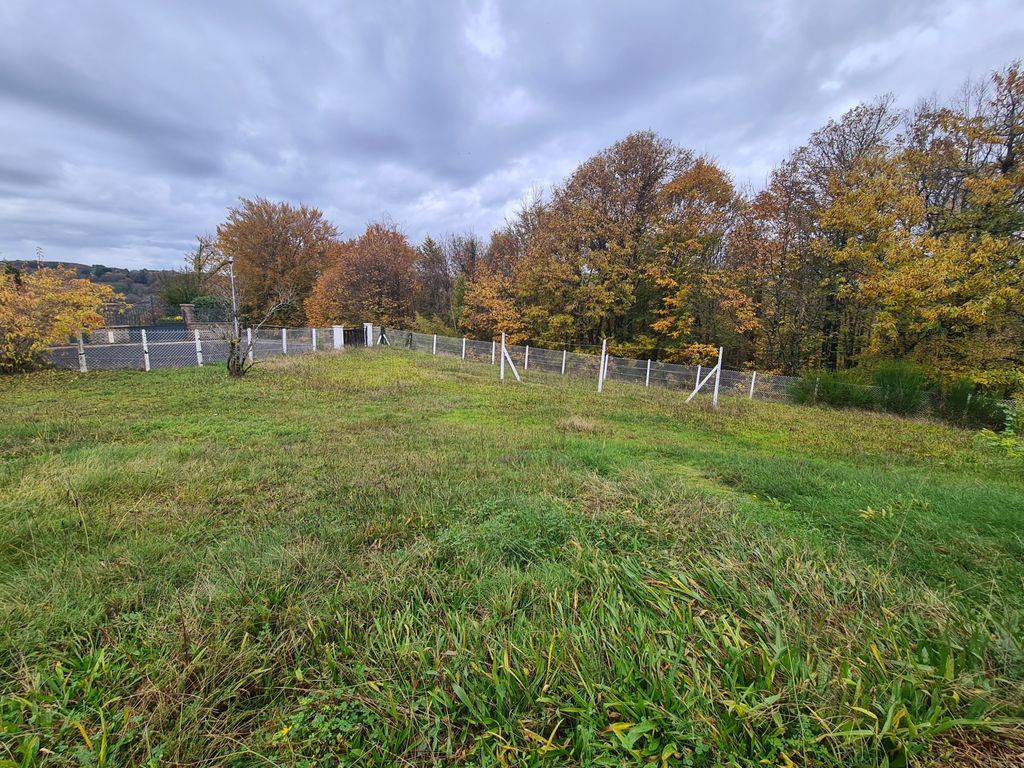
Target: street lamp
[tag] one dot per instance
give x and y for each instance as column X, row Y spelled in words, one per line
column 234, row 301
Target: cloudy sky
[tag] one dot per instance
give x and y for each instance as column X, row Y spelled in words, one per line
column 128, row 127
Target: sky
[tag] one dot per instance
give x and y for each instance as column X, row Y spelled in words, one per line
column 127, row 128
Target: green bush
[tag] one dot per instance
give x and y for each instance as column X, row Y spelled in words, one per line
column 802, row 392
column 902, row 387
column 177, row 288
column 837, row 389
column 211, row 309
column 963, row 403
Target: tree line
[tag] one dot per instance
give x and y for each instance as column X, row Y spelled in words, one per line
column 890, row 234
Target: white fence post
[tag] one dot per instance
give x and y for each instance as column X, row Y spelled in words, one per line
column 753, row 380
column 600, row 368
column 501, row 376
column 433, row 349
column 284, row 340
column 526, row 360
column 199, row 350
column 507, row 358
column 110, row 335
column 145, row 351
column 313, row 332
column 463, row 347
column 336, row 336
column 81, row 355
column 248, row 343
column 718, row 377
column 368, row 333
column 492, row 350
column 647, row 378
column 716, row 372
column 563, row 361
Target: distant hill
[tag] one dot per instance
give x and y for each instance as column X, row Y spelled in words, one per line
column 140, row 287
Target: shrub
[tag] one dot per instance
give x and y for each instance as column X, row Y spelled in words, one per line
column 965, row 404
column 902, row 387
column 211, row 309
column 837, row 389
column 802, row 392
column 1009, row 440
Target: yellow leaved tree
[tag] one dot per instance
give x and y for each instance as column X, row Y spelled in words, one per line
column 42, row 308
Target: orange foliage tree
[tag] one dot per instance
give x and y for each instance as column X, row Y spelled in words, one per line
column 280, row 250
column 372, row 277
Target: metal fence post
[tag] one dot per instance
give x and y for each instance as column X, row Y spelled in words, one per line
column 199, row 350
column 718, row 377
column 563, row 361
column 82, row 367
column 647, row 378
column 463, row 347
column 313, row 333
column 110, row 335
column 284, row 341
column 492, row 350
column 145, row 351
column 753, row 380
column 433, row 348
column 526, row 360
column 248, row 343
column 600, row 367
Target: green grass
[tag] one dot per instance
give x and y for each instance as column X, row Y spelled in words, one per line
column 383, row 558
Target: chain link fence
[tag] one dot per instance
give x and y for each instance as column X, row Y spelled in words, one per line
column 175, row 347
column 146, row 349
column 648, row 373
column 165, row 347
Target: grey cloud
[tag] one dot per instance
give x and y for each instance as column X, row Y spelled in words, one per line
column 130, row 128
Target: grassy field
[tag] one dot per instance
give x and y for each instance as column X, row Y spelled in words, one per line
column 381, row 558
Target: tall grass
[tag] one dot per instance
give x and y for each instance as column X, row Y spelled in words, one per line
column 902, row 387
column 839, row 389
column 963, row 403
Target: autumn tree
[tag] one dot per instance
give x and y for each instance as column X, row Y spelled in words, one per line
column 803, row 290
column 491, row 307
column 936, row 236
column 371, row 278
column 702, row 286
column 584, row 275
column 279, row 249
column 42, row 308
column 491, row 302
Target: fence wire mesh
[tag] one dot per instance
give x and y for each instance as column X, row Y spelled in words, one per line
column 578, row 365
column 127, row 348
